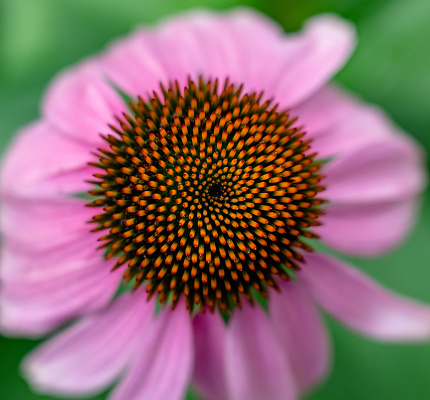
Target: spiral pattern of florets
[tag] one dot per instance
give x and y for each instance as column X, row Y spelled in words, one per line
column 207, row 194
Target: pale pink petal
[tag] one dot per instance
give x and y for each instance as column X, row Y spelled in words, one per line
column 373, row 196
column 362, row 304
column 20, row 260
column 302, row 334
column 338, row 122
column 367, row 229
column 373, row 178
column 209, row 341
column 42, row 299
column 194, row 44
column 80, row 102
column 50, row 274
column 43, row 163
column 220, row 43
column 256, row 366
column 86, row 358
column 383, row 170
column 242, row 45
column 163, row 364
column 39, row 224
column 326, row 45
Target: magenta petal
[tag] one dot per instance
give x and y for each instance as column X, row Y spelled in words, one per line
column 80, row 102
column 302, row 334
column 209, row 341
column 86, row 358
column 256, row 366
column 43, row 163
column 163, row 364
column 362, row 304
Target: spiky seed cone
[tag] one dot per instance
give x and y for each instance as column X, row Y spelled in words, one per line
column 207, row 194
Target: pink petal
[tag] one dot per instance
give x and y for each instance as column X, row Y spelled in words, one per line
column 256, row 367
column 237, row 45
column 302, row 334
column 197, row 43
column 383, row 170
column 373, row 192
column 374, row 178
column 86, row 358
column 361, row 304
column 338, row 122
column 367, row 229
column 163, row 366
column 50, row 274
column 43, row 163
column 80, row 102
column 39, row 224
column 209, row 340
column 43, row 299
column 326, row 45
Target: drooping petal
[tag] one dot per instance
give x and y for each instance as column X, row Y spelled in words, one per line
column 362, row 304
column 373, row 193
column 86, row 358
column 80, row 102
column 163, row 364
column 302, row 334
column 383, row 170
column 39, row 224
column 38, row 299
column 374, row 178
column 327, row 42
column 256, row 366
column 209, row 341
column 49, row 273
column 338, row 122
column 367, row 229
column 242, row 45
column 43, row 163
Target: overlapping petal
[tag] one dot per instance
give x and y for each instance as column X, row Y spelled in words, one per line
column 209, row 369
column 302, row 334
column 163, row 363
column 373, row 179
column 42, row 290
column 243, row 46
column 81, row 102
column 338, row 122
column 86, row 358
column 50, row 257
column 256, row 367
column 42, row 163
column 363, row 305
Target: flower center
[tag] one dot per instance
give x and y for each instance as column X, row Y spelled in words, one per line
column 216, row 190
column 207, row 194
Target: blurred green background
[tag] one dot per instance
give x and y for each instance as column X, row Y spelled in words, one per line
column 391, row 67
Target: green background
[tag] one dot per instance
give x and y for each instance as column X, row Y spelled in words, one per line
column 391, row 67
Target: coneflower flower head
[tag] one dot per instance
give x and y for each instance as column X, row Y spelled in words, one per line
column 207, row 193
column 213, row 151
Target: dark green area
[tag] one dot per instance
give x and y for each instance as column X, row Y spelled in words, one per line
column 391, row 67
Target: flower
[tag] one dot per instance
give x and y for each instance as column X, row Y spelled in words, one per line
column 203, row 193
